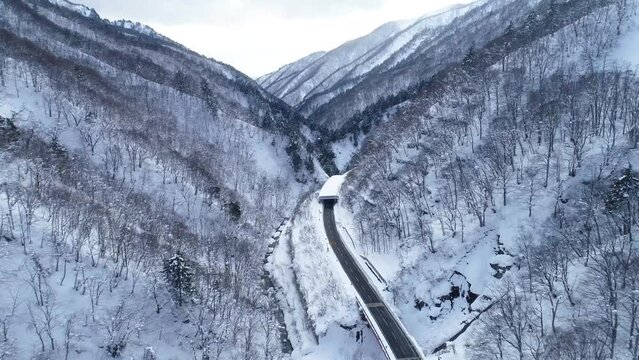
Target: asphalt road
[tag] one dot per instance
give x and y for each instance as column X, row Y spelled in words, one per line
column 397, row 339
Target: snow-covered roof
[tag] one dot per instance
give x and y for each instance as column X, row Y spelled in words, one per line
column 330, row 190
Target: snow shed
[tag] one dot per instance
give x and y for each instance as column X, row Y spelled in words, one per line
column 330, row 190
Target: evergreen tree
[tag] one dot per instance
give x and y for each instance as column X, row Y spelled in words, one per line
column 623, row 199
column 293, row 152
column 624, row 190
column 310, row 165
column 59, row 155
column 180, row 82
column 56, row 149
column 234, row 210
column 207, row 96
column 179, row 275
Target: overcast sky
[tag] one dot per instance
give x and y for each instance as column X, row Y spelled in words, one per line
column 259, row 36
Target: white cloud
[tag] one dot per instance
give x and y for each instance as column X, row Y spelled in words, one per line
column 259, row 36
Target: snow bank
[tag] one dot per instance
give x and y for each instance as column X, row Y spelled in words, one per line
column 320, row 307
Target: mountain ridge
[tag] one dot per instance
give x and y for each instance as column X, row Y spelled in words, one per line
column 316, row 83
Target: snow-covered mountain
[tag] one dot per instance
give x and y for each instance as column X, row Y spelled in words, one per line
column 157, row 204
column 133, row 26
column 402, row 74
column 494, row 187
column 319, row 77
column 337, row 91
column 139, row 186
column 294, row 82
column 78, row 8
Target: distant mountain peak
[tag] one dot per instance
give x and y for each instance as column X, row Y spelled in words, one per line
column 78, row 8
column 315, row 79
column 122, row 23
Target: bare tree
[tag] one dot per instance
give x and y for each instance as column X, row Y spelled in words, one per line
column 509, row 323
column 120, row 325
column 37, row 280
column 96, row 288
column 69, row 336
column 545, row 272
column 7, row 318
column 37, row 326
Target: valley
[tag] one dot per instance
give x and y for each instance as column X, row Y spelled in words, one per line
column 486, row 204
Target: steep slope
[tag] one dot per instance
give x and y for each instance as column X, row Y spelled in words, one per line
column 353, row 108
column 286, row 72
column 384, row 56
column 501, row 194
column 78, row 8
column 140, row 183
column 316, row 79
column 294, row 82
column 497, row 197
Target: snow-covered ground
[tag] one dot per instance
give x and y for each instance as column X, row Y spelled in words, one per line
column 344, row 151
column 69, row 292
column 126, row 303
column 627, row 50
column 318, row 300
column 430, row 290
column 436, row 294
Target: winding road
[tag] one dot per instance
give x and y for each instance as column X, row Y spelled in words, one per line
column 399, row 342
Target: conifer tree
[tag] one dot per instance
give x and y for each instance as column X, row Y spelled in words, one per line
column 179, row 275
column 207, row 96
column 624, row 199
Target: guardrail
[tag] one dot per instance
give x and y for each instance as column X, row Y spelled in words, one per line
column 375, row 328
